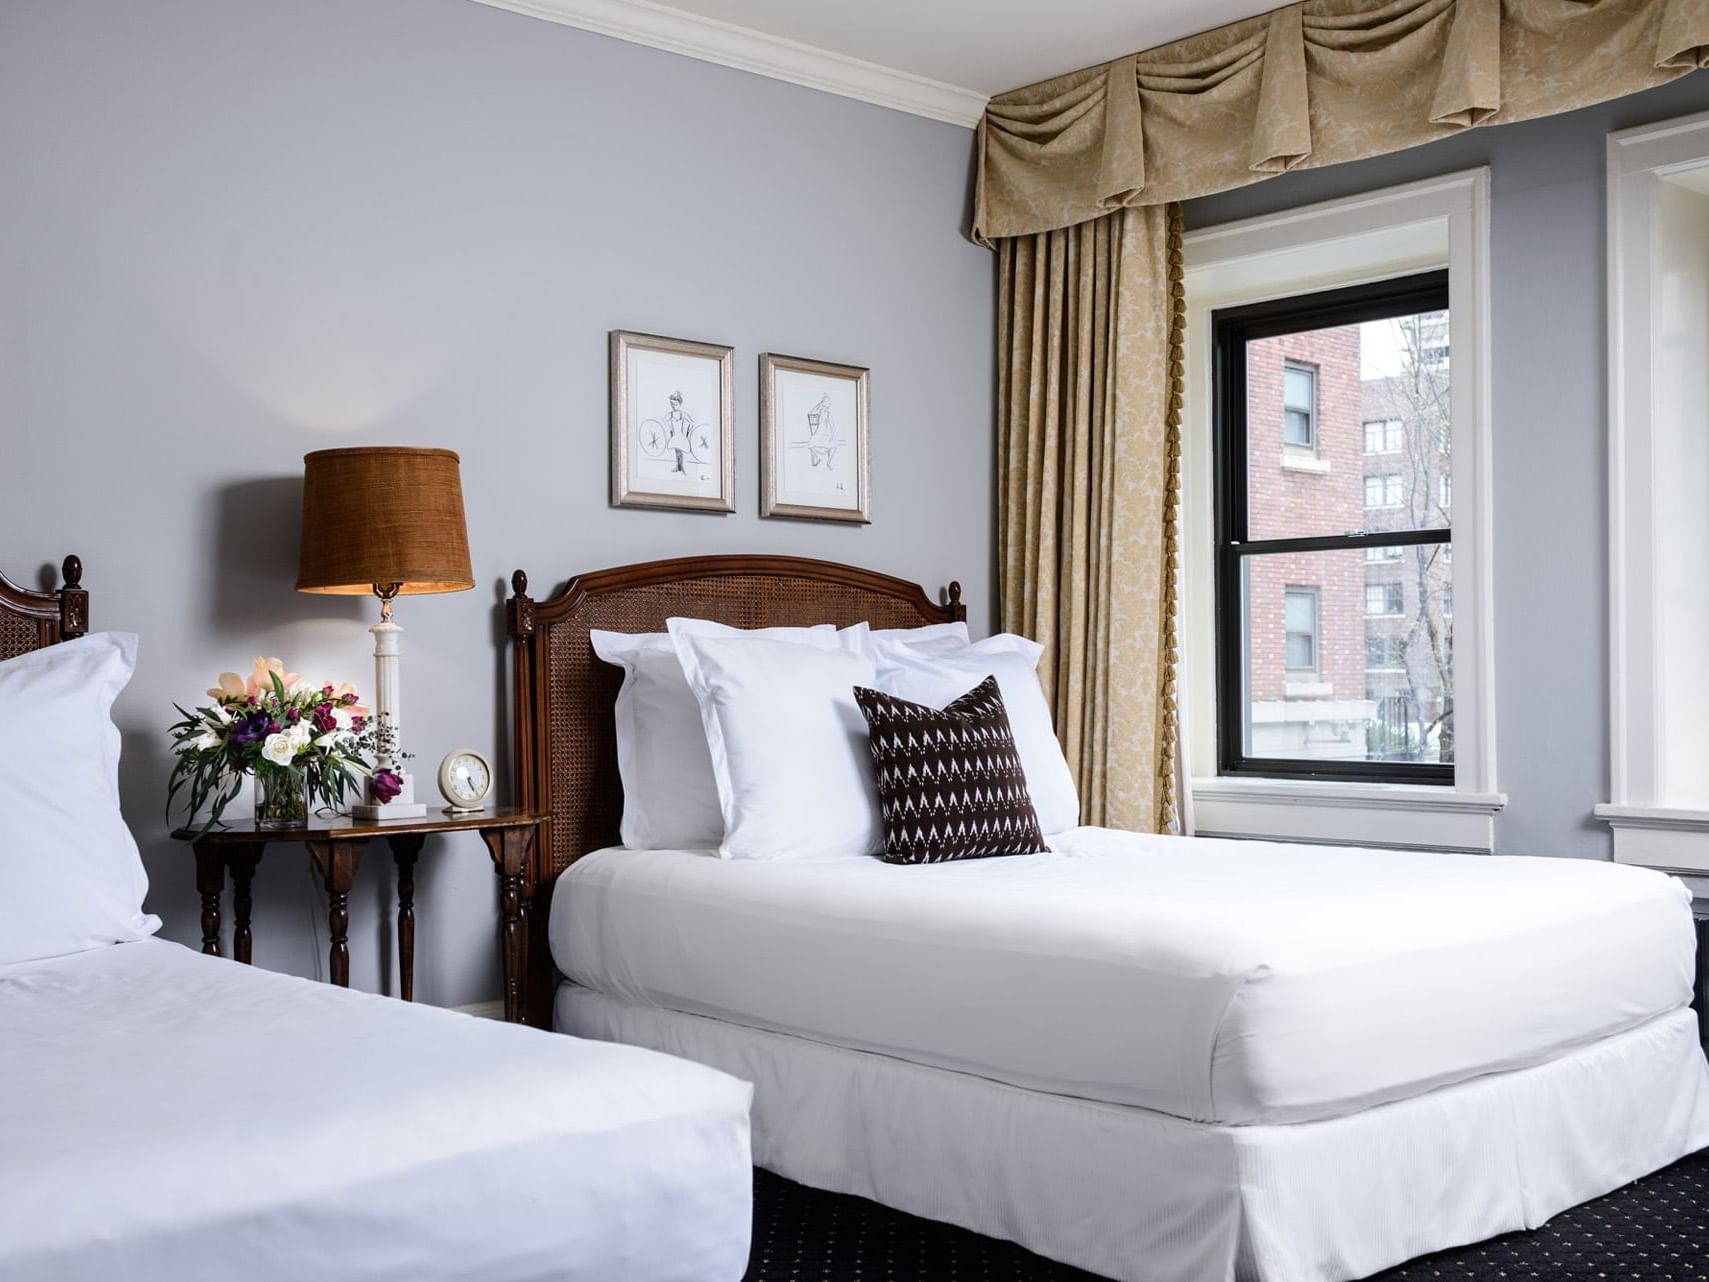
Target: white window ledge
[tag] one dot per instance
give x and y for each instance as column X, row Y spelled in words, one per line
column 1668, row 838
column 1405, row 816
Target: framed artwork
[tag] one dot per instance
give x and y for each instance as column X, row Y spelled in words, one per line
column 672, row 424
column 813, row 440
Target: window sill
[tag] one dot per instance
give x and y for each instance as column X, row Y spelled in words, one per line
column 1304, row 461
column 1669, row 838
column 1347, row 814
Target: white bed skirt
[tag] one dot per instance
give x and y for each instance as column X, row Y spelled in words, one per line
column 1144, row 1197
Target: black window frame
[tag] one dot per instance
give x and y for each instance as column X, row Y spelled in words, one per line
column 1231, row 329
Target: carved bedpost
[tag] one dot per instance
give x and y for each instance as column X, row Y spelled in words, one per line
column 73, row 600
column 957, row 611
column 520, row 615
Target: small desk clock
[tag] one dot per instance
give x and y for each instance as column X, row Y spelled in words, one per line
column 465, row 778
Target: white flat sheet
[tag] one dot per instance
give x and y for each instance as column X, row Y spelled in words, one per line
column 169, row 1117
column 1143, row 1197
column 1224, row 981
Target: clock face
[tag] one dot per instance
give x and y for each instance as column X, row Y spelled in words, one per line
column 465, row 779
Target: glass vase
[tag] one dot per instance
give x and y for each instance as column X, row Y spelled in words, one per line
column 281, row 797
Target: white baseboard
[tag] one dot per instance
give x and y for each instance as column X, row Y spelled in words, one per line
column 483, row 1010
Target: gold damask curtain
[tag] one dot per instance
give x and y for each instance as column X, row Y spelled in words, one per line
column 1311, row 84
column 1080, row 180
column 1088, row 422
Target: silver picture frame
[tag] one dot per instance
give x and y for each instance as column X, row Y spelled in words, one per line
column 663, row 454
column 813, row 440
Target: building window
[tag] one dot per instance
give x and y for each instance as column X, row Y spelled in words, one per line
column 1299, row 621
column 1299, row 405
column 1384, row 436
column 1383, row 490
column 1385, row 654
column 1355, row 378
column 1384, row 600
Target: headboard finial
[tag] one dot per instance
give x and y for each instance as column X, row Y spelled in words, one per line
column 73, row 600
column 72, row 569
column 519, row 583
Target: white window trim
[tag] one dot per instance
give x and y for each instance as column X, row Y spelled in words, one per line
column 1396, row 231
column 1648, row 830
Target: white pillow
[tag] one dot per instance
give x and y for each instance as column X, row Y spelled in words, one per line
column 670, row 799
column 787, row 741
column 934, row 675
column 70, row 875
column 932, row 635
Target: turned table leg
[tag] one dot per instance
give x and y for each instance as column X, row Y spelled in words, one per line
column 337, row 861
column 242, row 860
column 406, row 848
column 210, row 881
column 509, row 848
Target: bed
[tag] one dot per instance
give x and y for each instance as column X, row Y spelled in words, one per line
column 173, row 1116
column 1153, row 1058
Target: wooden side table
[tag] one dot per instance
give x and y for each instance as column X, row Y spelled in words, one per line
column 336, row 845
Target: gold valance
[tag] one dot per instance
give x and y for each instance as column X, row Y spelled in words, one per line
column 1311, row 84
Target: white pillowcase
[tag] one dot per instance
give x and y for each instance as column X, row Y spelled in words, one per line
column 70, row 875
column 670, row 798
column 935, row 674
column 787, row 741
column 933, row 636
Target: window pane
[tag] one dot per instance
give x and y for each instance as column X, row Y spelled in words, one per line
column 1371, row 402
column 1298, row 390
column 1348, row 659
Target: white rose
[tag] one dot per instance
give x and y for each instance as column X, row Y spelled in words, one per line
column 280, row 749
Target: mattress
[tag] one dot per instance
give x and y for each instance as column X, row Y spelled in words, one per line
column 170, row 1116
column 1222, row 981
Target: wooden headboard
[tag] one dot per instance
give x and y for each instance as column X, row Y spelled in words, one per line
column 565, row 737
column 30, row 620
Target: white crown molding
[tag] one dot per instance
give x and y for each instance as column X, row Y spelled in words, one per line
column 745, row 49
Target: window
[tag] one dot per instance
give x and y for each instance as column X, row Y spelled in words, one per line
column 1446, row 597
column 1299, row 405
column 1384, row 599
column 1445, row 489
column 1384, row 436
column 1274, row 535
column 1299, row 621
column 1383, row 490
column 1385, row 654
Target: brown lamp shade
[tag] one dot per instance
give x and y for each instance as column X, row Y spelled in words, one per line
column 382, row 515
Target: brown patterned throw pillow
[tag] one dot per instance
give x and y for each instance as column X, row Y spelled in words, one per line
column 950, row 784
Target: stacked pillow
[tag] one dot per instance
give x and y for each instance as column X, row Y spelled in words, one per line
column 761, row 744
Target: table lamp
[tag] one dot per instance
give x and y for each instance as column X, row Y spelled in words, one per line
column 386, row 520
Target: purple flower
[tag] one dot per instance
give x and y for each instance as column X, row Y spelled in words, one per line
column 386, row 785
column 324, row 721
column 251, row 729
column 292, row 716
column 349, row 698
column 359, row 724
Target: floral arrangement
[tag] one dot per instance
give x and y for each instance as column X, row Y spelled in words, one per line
column 303, row 742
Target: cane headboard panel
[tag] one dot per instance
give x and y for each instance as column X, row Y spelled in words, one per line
column 30, row 620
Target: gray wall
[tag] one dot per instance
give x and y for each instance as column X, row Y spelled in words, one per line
column 232, row 231
column 1548, row 308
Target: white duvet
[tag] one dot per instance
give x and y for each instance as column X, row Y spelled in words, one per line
column 169, row 1117
column 1234, row 982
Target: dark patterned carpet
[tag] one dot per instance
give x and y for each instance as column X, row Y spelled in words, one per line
column 1654, row 1230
